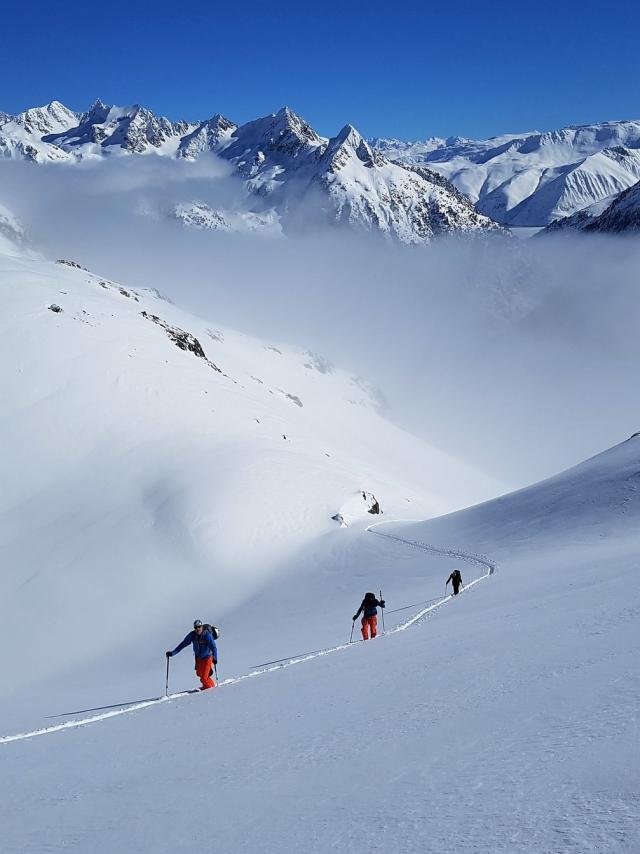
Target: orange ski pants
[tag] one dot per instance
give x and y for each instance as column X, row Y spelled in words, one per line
column 369, row 623
column 203, row 669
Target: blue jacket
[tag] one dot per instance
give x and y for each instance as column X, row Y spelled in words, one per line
column 203, row 645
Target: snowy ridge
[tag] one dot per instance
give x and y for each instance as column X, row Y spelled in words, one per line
column 622, row 215
column 412, row 621
column 532, row 179
column 286, row 170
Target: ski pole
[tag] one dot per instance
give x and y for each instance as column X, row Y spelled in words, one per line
column 166, row 684
column 352, row 625
column 382, row 609
column 215, row 667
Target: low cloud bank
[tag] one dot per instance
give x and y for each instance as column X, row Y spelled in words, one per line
column 520, row 357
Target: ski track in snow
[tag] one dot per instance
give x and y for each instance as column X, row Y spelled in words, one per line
column 475, row 559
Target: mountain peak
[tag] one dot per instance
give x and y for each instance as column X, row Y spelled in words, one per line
column 53, row 117
column 97, row 112
column 348, row 134
column 289, row 122
column 347, row 144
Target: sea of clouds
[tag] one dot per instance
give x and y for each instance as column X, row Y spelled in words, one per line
column 520, row 357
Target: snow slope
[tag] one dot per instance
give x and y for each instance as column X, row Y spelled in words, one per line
column 622, row 215
column 504, row 721
column 152, row 459
column 531, row 179
column 614, row 215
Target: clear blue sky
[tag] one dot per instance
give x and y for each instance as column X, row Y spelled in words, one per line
column 392, row 69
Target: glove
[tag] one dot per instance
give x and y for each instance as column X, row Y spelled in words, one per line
column 382, row 603
column 215, row 660
column 168, row 654
column 355, row 618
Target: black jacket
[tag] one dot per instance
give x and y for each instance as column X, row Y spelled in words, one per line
column 369, row 607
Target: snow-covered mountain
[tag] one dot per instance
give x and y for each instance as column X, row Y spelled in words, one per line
column 534, row 178
column 206, row 137
column 22, row 135
column 622, row 215
column 131, row 129
column 200, row 215
column 291, row 168
column 612, row 215
column 286, row 169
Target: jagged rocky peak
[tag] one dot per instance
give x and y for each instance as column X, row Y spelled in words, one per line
column 219, row 123
column 96, row 114
column 206, row 137
column 284, row 133
column 347, row 144
column 134, row 128
column 289, row 123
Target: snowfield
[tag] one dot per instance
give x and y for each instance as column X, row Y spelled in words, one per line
column 158, row 468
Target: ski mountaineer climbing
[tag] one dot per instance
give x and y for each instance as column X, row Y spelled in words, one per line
column 205, row 651
column 369, row 611
column 456, row 580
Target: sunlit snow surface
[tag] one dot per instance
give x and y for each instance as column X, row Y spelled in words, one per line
column 504, row 721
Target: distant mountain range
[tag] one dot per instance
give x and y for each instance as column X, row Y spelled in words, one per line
column 535, row 179
column 291, row 176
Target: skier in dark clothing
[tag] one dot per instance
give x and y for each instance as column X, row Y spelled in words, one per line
column 205, row 651
column 369, row 611
column 456, row 580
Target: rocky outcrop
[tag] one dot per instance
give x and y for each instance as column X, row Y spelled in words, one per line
column 182, row 339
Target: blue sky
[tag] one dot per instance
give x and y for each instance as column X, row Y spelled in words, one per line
column 409, row 70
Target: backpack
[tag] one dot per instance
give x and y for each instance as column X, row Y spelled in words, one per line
column 215, row 632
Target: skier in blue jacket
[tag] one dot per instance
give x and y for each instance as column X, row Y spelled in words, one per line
column 205, row 651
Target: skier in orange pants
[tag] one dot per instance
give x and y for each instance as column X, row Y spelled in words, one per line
column 369, row 610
